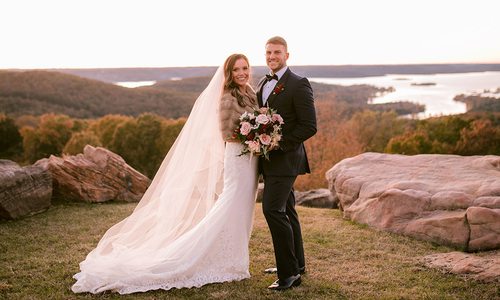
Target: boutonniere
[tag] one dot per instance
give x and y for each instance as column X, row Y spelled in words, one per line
column 278, row 89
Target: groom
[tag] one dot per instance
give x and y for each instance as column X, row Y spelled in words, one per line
column 292, row 97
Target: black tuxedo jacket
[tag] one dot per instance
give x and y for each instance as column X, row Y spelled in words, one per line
column 293, row 99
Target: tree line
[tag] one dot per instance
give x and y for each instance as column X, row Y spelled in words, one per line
column 143, row 141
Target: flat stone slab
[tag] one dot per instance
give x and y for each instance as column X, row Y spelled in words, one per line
column 483, row 268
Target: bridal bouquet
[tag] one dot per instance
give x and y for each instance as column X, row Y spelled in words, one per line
column 259, row 131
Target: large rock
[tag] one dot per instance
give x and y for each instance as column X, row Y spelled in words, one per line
column 23, row 190
column 447, row 199
column 97, row 175
column 483, row 268
column 320, row 198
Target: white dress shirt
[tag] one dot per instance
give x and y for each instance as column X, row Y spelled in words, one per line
column 269, row 85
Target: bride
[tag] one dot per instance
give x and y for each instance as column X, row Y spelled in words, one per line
column 193, row 224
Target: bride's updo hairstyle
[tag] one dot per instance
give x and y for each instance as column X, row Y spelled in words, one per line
column 229, row 84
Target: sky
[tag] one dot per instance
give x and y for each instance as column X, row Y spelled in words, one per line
column 163, row 33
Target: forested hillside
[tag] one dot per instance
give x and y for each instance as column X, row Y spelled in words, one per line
column 39, row 92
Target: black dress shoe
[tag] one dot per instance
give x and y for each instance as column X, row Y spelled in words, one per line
column 284, row 284
column 302, row 270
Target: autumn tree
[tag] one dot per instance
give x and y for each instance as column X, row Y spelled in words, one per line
column 143, row 142
column 334, row 141
column 410, row 143
column 443, row 132
column 436, row 135
column 170, row 129
column 375, row 129
column 479, row 139
column 50, row 137
column 105, row 127
column 79, row 140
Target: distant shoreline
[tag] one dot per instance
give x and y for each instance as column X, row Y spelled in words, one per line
column 332, row 71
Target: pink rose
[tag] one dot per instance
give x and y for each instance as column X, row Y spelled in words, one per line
column 262, row 119
column 263, row 110
column 245, row 128
column 277, row 118
column 253, row 146
column 265, row 139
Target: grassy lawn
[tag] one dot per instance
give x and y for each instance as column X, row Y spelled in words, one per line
column 39, row 255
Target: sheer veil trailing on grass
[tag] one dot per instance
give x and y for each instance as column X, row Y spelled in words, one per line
column 175, row 230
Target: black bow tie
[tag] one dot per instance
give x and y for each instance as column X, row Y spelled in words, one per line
column 271, row 77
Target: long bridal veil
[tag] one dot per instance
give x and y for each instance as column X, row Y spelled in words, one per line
column 182, row 192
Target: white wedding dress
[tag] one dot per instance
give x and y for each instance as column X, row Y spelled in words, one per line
column 193, row 224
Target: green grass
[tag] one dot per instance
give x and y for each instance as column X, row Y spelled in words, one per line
column 39, row 255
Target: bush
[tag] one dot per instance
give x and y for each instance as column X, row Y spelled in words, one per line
column 105, row 127
column 375, row 129
column 143, row 142
column 50, row 137
column 444, row 132
column 10, row 138
column 410, row 143
column 480, row 139
column 79, row 140
column 170, row 129
column 468, row 134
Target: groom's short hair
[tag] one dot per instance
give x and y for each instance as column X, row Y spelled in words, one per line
column 278, row 40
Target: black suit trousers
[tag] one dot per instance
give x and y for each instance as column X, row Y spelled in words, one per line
column 278, row 205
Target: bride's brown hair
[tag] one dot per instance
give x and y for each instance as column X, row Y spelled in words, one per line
column 229, row 84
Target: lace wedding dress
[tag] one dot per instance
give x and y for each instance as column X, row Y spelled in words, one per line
column 192, row 225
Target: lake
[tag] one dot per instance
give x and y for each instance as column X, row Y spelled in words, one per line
column 435, row 91
column 134, row 84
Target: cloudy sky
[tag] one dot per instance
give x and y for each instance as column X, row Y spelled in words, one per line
column 163, row 33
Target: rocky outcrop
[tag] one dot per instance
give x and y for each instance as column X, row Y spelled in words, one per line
column 484, row 268
column 23, row 190
column 97, row 175
column 447, row 199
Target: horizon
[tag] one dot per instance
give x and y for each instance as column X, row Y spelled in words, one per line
column 57, row 34
column 256, row 66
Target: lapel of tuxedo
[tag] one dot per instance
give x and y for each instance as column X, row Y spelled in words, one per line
column 281, row 82
column 259, row 91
